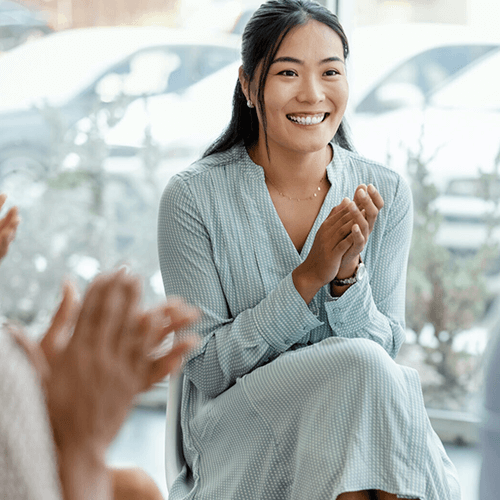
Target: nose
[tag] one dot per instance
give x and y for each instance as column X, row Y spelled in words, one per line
column 311, row 90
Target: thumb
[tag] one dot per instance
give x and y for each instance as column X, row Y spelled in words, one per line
column 63, row 321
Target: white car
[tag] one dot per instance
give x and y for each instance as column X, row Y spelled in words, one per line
column 182, row 126
column 452, row 128
column 49, row 85
column 131, row 59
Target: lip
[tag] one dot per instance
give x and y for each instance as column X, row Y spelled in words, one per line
column 308, row 118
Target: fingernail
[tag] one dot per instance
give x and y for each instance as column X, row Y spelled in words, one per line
column 371, row 188
column 353, row 207
column 124, row 269
column 362, row 193
column 355, row 228
column 346, row 200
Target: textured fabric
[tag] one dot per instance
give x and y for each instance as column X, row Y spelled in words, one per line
column 284, row 400
column 27, row 457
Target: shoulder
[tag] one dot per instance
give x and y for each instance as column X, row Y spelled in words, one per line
column 206, row 187
column 392, row 186
column 357, row 163
column 215, row 166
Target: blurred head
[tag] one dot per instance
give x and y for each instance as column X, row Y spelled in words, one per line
column 261, row 41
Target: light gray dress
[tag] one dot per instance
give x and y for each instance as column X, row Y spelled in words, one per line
column 284, row 400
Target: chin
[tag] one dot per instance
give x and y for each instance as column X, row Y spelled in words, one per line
column 310, row 146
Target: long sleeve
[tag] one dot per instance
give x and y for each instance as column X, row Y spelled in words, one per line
column 232, row 344
column 374, row 308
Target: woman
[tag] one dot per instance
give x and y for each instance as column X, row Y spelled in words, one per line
column 292, row 393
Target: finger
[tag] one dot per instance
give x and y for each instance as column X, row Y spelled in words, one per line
column 344, row 245
column 8, row 228
column 342, row 230
column 342, row 206
column 179, row 313
column 173, row 316
column 365, row 202
column 103, row 314
column 358, row 240
column 359, row 218
column 3, row 198
column 360, row 190
column 375, row 196
column 90, row 315
column 170, row 363
column 11, row 219
column 125, row 314
column 58, row 334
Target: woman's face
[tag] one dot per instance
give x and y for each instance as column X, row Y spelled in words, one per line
column 306, row 91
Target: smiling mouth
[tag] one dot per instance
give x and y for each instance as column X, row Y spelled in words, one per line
column 309, row 119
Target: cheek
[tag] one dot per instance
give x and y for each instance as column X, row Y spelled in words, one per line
column 342, row 92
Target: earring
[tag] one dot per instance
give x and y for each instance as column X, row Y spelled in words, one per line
column 250, row 104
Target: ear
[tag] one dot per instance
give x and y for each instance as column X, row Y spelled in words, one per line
column 245, row 84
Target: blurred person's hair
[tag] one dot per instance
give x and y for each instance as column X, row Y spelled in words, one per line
column 261, row 40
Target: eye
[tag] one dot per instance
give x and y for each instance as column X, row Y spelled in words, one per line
column 332, row 72
column 287, row 72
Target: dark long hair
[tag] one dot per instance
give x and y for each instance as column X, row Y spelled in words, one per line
column 262, row 37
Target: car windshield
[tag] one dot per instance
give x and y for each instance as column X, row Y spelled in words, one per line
column 463, row 90
column 424, row 72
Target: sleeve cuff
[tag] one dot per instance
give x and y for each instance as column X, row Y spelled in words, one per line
column 351, row 312
column 291, row 317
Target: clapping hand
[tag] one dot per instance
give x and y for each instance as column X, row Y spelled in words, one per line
column 365, row 207
column 8, row 227
column 97, row 356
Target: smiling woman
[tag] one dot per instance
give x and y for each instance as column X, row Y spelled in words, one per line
column 293, row 392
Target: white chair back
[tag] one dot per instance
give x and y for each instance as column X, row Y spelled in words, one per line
column 174, row 456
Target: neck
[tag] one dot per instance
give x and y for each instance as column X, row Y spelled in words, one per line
column 292, row 168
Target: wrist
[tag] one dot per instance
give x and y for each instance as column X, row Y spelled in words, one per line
column 339, row 284
column 306, row 286
column 83, row 473
column 347, row 269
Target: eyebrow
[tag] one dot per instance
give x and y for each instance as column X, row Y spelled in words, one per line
column 298, row 61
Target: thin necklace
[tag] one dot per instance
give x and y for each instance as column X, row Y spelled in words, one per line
column 295, row 199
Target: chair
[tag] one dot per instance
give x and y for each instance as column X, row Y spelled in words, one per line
column 174, row 456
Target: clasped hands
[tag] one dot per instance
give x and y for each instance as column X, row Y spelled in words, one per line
column 339, row 242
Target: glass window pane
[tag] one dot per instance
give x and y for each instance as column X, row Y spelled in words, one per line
column 429, row 108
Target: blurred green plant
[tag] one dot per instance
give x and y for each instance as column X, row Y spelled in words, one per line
column 446, row 292
column 80, row 217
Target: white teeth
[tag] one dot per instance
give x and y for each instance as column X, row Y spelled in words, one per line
column 307, row 120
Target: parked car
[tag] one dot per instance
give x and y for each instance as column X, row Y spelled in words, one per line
column 19, row 24
column 49, row 85
column 450, row 125
column 470, row 213
column 181, row 126
column 397, row 65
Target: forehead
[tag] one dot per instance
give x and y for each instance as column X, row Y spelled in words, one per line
column 313, row 40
